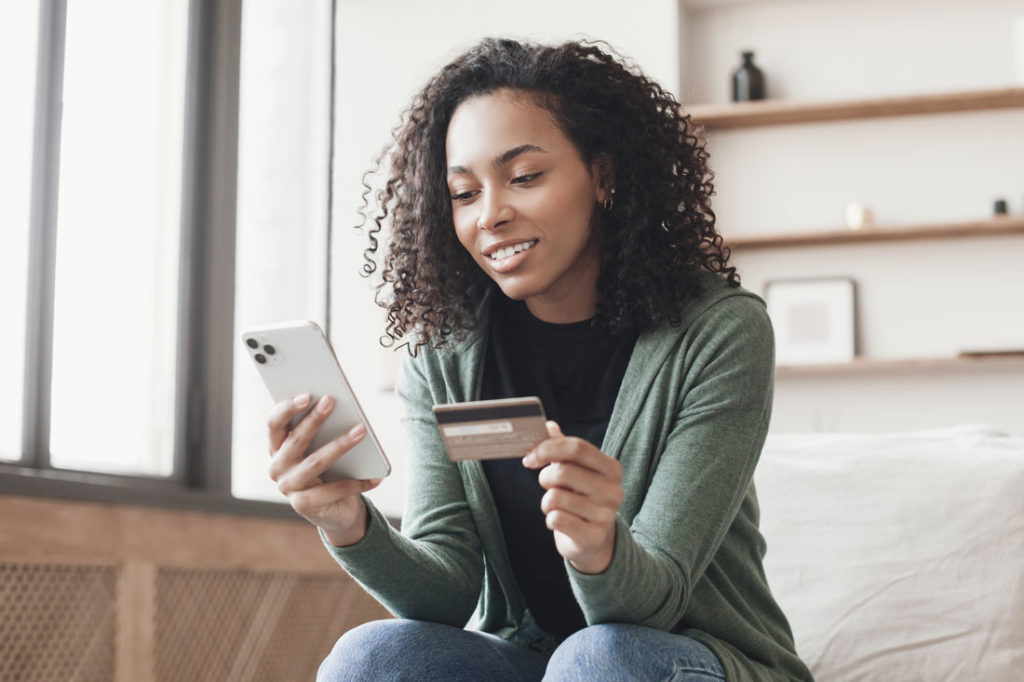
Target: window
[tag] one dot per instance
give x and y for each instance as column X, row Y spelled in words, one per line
column 18, row 21
column 281, row 236
column 118, row 214
column 132, row 258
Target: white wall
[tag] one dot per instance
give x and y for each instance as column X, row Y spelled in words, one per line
column 386, row 52
column 916, row 299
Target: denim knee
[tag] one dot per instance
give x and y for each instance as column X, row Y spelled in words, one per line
column 416, row 650
column 617, row 651
column 361, row 648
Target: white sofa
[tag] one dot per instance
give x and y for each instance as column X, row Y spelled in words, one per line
column 899, row 556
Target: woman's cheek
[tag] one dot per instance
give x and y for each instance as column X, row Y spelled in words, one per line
column 464, row 232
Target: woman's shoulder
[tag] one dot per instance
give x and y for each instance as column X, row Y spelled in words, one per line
column 720, row 308
column 723, row 322
column 717, row 291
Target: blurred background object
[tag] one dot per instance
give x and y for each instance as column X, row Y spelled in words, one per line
column 748, row 83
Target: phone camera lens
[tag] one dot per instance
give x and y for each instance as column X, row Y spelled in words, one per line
column 260, row 359
column 252, row 343
column 269, row 350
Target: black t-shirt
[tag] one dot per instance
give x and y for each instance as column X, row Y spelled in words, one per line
column 576, row 373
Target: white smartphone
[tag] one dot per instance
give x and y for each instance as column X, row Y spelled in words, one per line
column 295, row 358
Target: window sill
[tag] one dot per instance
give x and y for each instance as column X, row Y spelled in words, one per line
column 131, row 490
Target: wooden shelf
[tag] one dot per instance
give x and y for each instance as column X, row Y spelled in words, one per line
column 780, row 112
column 868, row 365
column 995, row 227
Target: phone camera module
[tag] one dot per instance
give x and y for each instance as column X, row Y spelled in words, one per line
column 269, row 350
column 252, row 343
column 261, row 359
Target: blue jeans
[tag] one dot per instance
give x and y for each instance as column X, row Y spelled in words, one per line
column 416, row 650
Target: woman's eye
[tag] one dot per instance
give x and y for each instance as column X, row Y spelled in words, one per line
column 463, row 196
column 523, row 179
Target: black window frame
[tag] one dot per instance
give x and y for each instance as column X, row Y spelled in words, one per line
column 201, row 477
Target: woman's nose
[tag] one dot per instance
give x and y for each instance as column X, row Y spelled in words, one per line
column 494, row 212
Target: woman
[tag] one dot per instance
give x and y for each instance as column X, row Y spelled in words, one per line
column 551, row 235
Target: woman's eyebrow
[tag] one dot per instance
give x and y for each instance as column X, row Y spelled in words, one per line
column 500, row 159
column 505, row 157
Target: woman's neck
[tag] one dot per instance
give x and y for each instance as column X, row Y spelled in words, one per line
column 561, row 310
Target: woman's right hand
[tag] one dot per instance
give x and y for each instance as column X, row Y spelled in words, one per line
column 336, row 506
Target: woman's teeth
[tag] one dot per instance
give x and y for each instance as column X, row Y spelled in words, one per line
column 512, row 250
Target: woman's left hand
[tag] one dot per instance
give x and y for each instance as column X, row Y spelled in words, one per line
column 584, row 493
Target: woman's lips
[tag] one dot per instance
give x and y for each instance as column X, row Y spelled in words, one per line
column 509, row 263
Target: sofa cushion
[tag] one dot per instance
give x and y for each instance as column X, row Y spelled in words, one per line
column 899, row 556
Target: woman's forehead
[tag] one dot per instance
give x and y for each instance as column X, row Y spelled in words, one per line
column 485, row 126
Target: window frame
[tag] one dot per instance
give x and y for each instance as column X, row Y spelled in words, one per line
column 201, row 475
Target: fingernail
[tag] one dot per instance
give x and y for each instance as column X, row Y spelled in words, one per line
column 324, row 404
column 301, row 400
column 357, row 431
column 529, row 460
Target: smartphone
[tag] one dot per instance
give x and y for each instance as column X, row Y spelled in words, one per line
column 294, row 358
column 491, row 429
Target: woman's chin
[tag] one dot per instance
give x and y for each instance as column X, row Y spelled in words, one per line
column 515, row 293
column 516, row 289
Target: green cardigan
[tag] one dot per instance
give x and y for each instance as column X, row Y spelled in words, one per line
column 688, row 426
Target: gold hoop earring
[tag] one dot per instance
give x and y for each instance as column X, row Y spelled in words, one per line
column 609, row 201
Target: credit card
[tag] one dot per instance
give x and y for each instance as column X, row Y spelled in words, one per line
column 491, row 429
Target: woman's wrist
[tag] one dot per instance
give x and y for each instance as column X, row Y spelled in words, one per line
column 354, row 533
column 598, row 561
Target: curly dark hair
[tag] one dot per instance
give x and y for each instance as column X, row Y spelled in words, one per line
column 654, row 243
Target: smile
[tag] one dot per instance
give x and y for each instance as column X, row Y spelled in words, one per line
column 510, row 257
column 509, row 251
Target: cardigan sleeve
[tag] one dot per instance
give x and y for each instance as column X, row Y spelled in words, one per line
column 704, row 453
column 433, row 569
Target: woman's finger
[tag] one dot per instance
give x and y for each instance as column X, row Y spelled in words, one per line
column 579, row 505
column 306, row 473
column 293, row 448
column 582, row 481
column 577, row 451
column 586, row 537
column 281, row 415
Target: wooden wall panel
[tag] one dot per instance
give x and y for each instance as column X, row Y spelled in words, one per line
column 94, row 591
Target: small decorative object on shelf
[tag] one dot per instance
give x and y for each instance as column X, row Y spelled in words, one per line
column 814, row 320
column 747, row 81
column 858, row 216
column 999, row 207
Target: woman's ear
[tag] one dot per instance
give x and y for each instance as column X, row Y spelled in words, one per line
column 604, row 176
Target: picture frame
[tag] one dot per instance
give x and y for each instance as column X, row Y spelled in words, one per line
column 814, row 320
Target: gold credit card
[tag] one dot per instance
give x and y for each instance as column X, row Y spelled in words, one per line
column 491, row 429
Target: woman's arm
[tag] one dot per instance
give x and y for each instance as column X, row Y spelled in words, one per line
column 433, row 569
column 703, row 473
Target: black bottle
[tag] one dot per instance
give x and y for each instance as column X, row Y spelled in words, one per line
column 747, row 81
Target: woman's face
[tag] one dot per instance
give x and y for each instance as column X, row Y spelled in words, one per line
column 523, row 204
